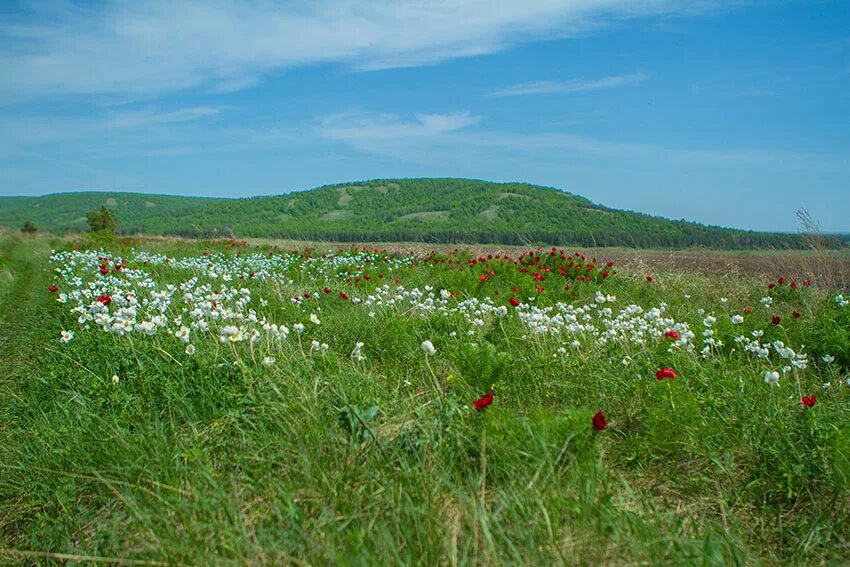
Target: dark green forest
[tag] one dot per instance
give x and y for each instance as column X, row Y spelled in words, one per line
column 411, row 210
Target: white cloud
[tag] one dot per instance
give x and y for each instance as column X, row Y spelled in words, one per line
column 145, row 48
column 354, row 127
column 572, row 85
column 446, row 140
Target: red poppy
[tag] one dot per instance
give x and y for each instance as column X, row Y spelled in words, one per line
column 609, row 264
column 665, row 374
column 776, row 319
column 808, row 401
column 482, row 278
column 539, row 289
column 481, row 403
column 748, row 310
column 671, row 334
column 326, row 290
column 599, row 422
column 53, row 289
column 649, row 278
column 796, row 314
column 780, row 281
column 514, row 301
column 306, row 295
column 343, row 295
column 105, row 299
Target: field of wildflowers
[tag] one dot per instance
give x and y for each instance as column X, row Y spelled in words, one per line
column 220, row 403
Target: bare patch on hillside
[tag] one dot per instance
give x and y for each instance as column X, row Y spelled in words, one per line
column 507, row 195
column 490, row 213
column 111, row 202
column 426, row 216
column 336, row 214
column 344, row 197
column 150, row 204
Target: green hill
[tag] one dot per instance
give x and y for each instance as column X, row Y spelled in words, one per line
column 66, row 212
column 431, row 210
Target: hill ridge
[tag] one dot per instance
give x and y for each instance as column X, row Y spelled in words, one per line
column 393, row 209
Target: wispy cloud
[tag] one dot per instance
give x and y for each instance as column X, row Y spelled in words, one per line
column 572, row 85
column 156, row 47
column 418, row 140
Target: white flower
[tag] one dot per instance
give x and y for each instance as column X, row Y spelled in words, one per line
column 314, row 319
column 771, row 377
column 183, row 334
column 299, row 327
column 268, row 361
column 115, row 379
column 828, row 358
column 66, row 336
column 737, row 319
column 356, row 354
column 709, row 321
column 190, row 349
column 232, row 334
column 428, row 347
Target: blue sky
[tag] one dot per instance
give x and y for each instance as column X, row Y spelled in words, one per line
column 732, row 113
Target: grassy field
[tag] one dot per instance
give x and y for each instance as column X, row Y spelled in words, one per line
column 186, row 402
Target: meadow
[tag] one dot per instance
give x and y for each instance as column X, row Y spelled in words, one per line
column 228, row 403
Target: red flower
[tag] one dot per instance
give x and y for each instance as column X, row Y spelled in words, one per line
column 665, row 374
column 808, row 401
column 780, row 281
column 649, row 278
column 771, row 285
column 306, row 295
column 539, row 289
column 105, row 299
column 599, row 422
column 609, row 264
column 796, row 314
column 776, row 319
column 343, row 295
column 481, row 403
column 604, row 273
column 53, row 289
column 672, row 335
column 748, row 310
column 326, row 290
column 482, row 279
column 514, row 301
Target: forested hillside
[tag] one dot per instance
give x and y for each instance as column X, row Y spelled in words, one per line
column 66, row 212
column 430, row 210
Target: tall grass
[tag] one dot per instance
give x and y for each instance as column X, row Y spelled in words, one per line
column 319, row 458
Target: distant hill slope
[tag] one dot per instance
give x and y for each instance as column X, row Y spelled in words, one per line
column 64, row 212
column 431, row 210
